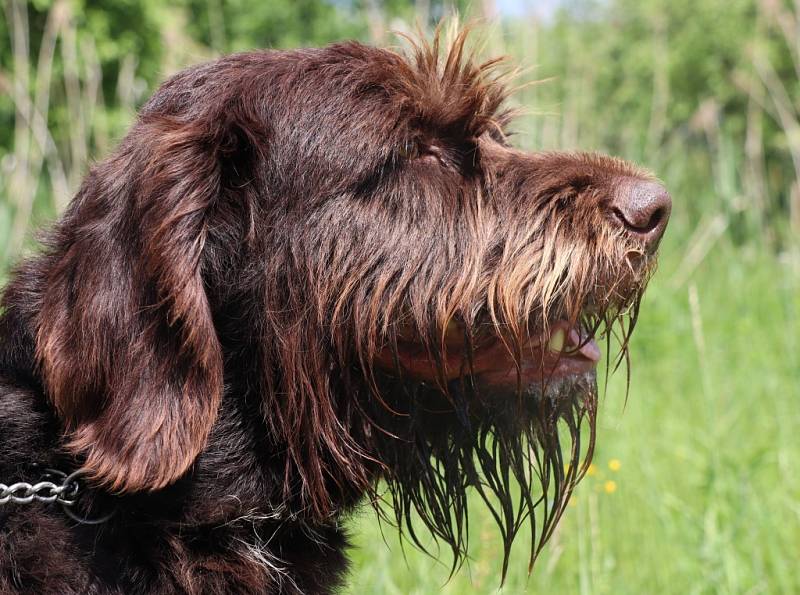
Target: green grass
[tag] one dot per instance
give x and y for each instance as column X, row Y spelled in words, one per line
column 707, row 495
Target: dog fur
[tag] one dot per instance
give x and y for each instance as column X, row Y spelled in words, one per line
column 270, row 305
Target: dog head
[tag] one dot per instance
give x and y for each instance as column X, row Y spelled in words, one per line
column 346, row 236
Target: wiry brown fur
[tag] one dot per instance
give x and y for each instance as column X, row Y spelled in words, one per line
column 203, row 332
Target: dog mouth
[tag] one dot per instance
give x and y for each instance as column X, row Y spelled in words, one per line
column 561, row 350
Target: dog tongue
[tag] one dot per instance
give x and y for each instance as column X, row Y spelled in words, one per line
column 588, row 349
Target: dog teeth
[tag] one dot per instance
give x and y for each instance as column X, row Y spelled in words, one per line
column 557, row 339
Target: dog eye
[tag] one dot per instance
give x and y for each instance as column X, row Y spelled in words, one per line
column 409, row 150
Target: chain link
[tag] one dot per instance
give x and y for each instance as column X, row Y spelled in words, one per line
column 54, row 486
column 22, row 492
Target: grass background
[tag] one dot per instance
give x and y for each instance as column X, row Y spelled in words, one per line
column 695, row 486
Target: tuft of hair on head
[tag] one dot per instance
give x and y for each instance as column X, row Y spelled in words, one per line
column 453, row 86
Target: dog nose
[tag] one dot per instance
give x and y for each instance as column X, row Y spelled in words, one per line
column 643, row 208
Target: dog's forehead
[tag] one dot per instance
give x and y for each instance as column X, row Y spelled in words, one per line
column 395, row 92
column 342, row 96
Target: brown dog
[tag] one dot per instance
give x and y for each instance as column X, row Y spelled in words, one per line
column 302, row 276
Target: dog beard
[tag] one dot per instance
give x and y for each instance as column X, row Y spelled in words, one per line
column 522, row 451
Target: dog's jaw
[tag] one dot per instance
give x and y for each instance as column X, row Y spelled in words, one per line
column 560, row 351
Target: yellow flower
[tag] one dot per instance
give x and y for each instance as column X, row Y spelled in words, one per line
column 610, row 486
column 592, row 470
column 614, row 464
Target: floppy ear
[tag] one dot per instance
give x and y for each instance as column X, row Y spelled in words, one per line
column 126, row 341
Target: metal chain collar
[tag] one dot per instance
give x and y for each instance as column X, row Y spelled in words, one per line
column 65, row 492
column 44, row 491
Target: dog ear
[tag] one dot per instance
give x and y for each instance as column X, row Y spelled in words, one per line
column 126, row 341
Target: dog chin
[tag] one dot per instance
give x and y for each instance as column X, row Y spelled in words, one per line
column 566, row 390
column 521, row 449
column 540, row 401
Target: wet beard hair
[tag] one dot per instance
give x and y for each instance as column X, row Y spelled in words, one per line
column 522, row 452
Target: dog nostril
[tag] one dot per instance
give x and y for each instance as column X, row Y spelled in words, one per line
column 640, row 226
column 643, row 208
